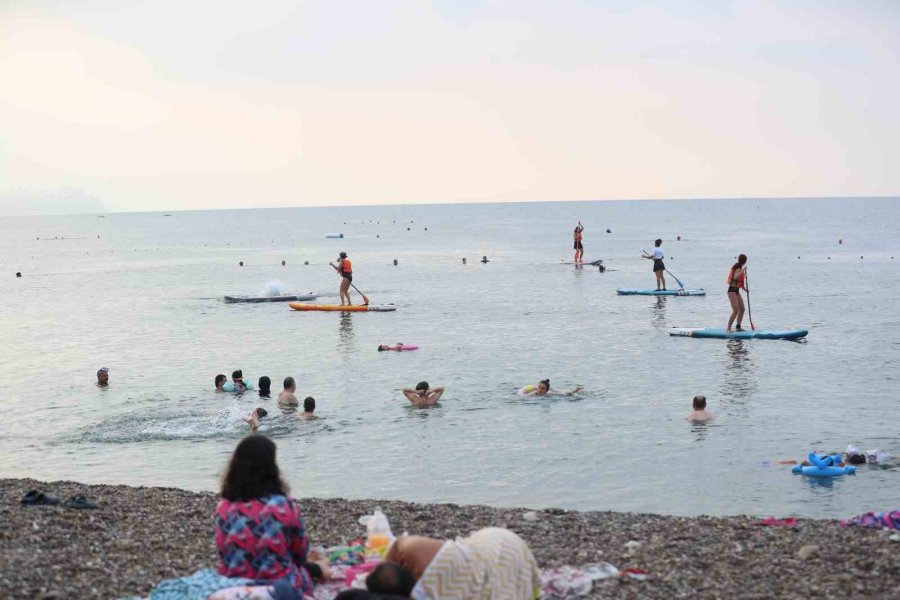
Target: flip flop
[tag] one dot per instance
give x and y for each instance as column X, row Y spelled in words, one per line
column 81, row 502
column 37, row 498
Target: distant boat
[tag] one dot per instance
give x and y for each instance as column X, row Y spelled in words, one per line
column 101, row 216
column 167, row 215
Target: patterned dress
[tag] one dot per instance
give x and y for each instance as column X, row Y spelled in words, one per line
column 263, row 539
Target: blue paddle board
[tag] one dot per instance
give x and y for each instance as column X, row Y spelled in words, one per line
column 634, row 292
column 759, row 334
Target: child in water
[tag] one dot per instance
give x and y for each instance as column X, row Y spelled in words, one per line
column 543, row 389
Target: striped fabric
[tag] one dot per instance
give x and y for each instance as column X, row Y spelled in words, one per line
column 491, row 564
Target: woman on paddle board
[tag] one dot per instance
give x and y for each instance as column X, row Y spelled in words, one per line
column 345, row 270
column 659, row 267
column 579, row 248
column 737, row 280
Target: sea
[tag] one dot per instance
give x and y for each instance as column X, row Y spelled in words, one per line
column 142, row 295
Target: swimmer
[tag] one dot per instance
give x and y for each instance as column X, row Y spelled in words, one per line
column 700, row 413
column 737, row 280
column 423, row 395
column 579, row 248
column 253, row 418
column 220, row 383
column 345, row 270
column 287, row 397
column 484, row 259
column 103, row 377
column 264, row 386
column 397, row 348
column 237, row 384
column 543, row 389
column 659, row 267
column 309, row 408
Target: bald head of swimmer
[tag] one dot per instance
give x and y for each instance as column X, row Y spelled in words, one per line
column 543, row 387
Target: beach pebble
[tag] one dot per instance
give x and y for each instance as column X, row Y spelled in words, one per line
column 894, row 537
column 807, row 551
column 632, row 545
column 530, row 516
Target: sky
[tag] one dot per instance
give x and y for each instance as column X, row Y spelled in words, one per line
column 134, row 106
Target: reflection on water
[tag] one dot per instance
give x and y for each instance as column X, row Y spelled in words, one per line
column 346, row 330
column 658, row 313
column 700, row 429
column 739, row 382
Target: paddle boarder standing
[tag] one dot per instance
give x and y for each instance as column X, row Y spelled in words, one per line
column 579, row 248
column 345, row 270
column 659, row 267
column 737, row 280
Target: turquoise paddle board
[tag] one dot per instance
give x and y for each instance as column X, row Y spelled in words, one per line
column 759, row 334
column 634, row 292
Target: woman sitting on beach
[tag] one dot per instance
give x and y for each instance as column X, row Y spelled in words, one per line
column 260, row 533
column 490, row 563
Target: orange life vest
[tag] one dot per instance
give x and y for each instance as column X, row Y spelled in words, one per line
column 737, row 281
column 577, row 235
column 346, row 266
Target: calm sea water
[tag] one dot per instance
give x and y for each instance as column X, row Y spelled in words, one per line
column 141, row 294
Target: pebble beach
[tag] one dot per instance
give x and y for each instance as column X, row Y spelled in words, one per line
column 141, row 535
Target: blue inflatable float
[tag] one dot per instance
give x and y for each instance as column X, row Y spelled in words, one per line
column 823, row 466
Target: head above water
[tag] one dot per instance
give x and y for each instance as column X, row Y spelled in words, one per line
column 237, row 375
column 253, row 472
column 856, row 459
column 382, row 347
column 309, row 404
column 422, row 386
column 391, row 578
column 699, row 402
column 658, row 243
column 220, row 380
column 103, row 376
column 543, row 386
column 261, row 412
column 265, row 384
column 289, row 384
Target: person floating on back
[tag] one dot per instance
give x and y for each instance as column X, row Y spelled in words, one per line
column 579, row 247
column 700, row 413
column 345, row 269
column 737, row 280
column 287, row 397
column 423, row 395
column 659, row 267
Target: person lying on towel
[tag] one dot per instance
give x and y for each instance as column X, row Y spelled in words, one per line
column 490, row 564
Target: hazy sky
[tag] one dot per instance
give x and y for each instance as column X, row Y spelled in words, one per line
column 164, row 105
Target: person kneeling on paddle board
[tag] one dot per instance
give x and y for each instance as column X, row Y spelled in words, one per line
column 345, row 270
column 579, row 247
column 659, row 267
column 737, row 280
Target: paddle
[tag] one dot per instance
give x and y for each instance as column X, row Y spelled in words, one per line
column 678, row 281
column 747, row 289
column 365, row 298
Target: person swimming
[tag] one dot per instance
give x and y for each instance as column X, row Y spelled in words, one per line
column 221, row 380
column 543, row 389
column 659, row 267
column 265, row 385
column 253, row 418
column 737, row 280
column 700, row 414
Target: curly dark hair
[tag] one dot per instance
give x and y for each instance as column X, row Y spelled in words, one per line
column 253, row 472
